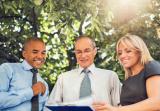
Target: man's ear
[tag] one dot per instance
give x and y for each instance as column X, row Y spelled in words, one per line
column 95, row 50
column 23, row 53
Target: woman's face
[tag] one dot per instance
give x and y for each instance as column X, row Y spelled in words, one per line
column 128, row 57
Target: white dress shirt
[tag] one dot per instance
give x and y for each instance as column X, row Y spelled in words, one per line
column 105, row 86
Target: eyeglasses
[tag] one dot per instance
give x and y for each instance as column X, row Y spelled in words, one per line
column 86, row 51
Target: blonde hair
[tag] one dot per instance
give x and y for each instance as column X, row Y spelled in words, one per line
column 136, row 43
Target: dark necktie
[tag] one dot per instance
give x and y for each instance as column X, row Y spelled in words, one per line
column 85, row 89
column 34, row 100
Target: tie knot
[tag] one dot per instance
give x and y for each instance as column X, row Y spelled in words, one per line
column 34, row 71
column 86, row 71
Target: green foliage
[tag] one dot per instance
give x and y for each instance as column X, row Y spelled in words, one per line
column 59, row 22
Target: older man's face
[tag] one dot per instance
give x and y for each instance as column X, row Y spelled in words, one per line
column 85, row 52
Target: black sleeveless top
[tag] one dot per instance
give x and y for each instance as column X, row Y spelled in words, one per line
column 134, row 88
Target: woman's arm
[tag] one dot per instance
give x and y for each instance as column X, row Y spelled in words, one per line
column 150, row 104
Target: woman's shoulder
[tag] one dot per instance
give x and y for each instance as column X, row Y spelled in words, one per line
column 153, row 64
column 152, row 68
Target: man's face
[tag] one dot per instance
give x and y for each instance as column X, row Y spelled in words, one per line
column 35, row 53
column 85, row 52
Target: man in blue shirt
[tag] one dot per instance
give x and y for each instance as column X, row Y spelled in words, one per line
column 16, row 89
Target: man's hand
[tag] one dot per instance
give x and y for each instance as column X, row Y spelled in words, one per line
column 38, row 88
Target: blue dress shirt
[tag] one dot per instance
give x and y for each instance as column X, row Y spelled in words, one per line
column 16, row 87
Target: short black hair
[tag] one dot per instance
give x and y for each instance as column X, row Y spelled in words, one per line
column 30, row 39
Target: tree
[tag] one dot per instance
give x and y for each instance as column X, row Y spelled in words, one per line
column 59, row 22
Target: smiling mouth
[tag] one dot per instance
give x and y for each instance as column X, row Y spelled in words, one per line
column 83, row 60
column 39, row 61
column 124, row 61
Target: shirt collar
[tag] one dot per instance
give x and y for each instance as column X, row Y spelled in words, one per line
column 26, row 65
column 91, row 68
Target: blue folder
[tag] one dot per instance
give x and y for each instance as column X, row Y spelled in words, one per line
column 70, row 108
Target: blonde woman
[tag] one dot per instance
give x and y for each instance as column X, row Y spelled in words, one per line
column 141, row 88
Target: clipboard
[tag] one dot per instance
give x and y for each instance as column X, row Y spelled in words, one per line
column 69, row 108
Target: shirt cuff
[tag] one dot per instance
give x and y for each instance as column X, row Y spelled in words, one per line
column 27, row 94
